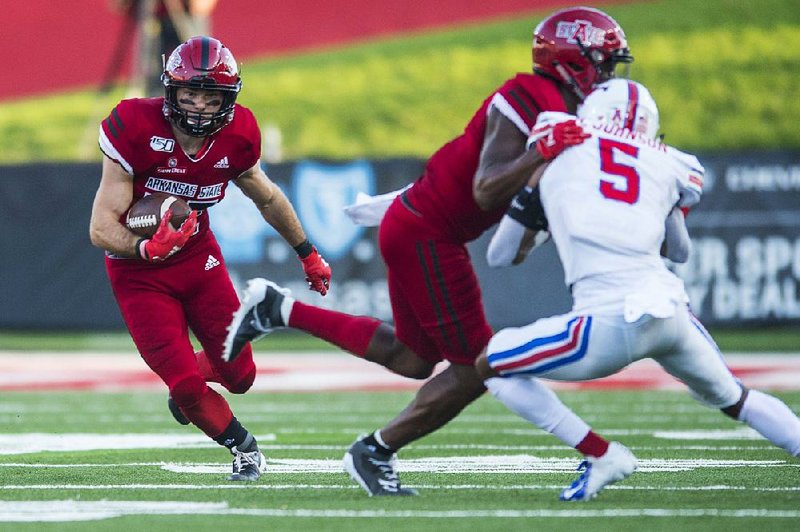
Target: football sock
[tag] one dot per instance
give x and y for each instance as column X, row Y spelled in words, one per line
column 351, row 333
column 376, row 441
column 772, row 419
column 532, row 400
column 235, row 435
column 593, row 445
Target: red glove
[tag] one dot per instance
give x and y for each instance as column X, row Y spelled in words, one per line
column 166, row 241
column 318, row 272
column 562, row 136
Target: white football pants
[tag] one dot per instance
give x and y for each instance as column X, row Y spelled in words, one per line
column 573, row 347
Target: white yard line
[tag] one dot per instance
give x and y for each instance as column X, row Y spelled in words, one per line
column 72, row 510
column 513, row 464
column 264, row 485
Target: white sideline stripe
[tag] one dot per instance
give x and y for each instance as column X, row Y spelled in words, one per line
column 504, row 464
column 34, row 442
column 237, row 486
column 71, row 510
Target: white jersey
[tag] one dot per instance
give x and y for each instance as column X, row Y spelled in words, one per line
column 606, row 201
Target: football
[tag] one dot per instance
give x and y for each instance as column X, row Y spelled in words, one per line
column 145, row 215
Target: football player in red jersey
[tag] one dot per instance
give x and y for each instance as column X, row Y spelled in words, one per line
column 466, row 188
column 190, row 143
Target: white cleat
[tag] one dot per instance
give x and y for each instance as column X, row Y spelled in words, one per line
column 258, row 315
column 617, row 464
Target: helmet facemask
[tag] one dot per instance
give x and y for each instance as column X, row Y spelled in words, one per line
column 198, row 124
column 201, row 63
column 599, row 66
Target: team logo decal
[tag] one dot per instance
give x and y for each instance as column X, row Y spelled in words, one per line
column 320, row 194
column 580, row 29
column 162, row 144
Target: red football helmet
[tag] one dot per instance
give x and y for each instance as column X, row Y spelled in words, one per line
column 201, row 63
column 579, row 46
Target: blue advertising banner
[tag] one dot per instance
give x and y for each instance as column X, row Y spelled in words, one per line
column 744, row 269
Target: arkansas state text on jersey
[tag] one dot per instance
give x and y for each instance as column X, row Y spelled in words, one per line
column 137, row 136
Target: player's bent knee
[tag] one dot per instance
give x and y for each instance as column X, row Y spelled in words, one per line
column 396, row 356
column 485, row 371
column 243, row 384
column 188, row 391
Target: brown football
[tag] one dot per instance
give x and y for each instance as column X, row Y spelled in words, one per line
column 145, row 215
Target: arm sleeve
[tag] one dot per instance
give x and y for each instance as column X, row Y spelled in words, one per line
column 690, row 178
column 505, row 243
column 677, row 242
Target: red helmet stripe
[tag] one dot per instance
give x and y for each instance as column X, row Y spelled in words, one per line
column 633, row 103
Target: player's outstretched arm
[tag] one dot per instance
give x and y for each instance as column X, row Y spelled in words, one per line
column 279, row 213
column 505, row 165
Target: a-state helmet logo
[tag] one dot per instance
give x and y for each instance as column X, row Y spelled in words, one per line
column 580, row 29
column 162, row 144
column 320, row 194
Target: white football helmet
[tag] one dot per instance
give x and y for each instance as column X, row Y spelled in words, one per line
column 623, row 103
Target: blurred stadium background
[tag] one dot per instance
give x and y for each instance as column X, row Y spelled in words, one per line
column 354, row 95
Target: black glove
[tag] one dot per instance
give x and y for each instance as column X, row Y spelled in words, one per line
column 526, row 208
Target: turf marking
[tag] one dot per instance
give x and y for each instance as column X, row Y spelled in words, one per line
column 71, row 510
column 264, row 485
column 503, row 464
column 35, row 442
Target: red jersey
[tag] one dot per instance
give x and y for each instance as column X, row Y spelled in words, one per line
column 444, row 192
column 138, row 137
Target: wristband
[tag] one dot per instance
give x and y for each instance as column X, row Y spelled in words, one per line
column 138, row 248
column 304, row 249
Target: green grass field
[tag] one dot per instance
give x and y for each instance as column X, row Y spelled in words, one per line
column 487, row 470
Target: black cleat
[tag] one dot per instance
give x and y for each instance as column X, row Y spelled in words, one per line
column 176, row 412
column 258, row 315
column 247, row 466
column 373, row 470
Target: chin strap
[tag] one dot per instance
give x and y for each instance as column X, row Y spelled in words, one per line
column 569, row 79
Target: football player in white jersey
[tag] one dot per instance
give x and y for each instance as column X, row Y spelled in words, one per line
column 606, row 201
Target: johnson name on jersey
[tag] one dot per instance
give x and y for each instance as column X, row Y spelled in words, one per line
column 607, row 199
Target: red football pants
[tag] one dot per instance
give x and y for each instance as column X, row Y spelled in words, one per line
column 436, row 300
column 161, row 302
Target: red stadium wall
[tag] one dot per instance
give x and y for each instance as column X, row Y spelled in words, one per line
column 53, row 46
